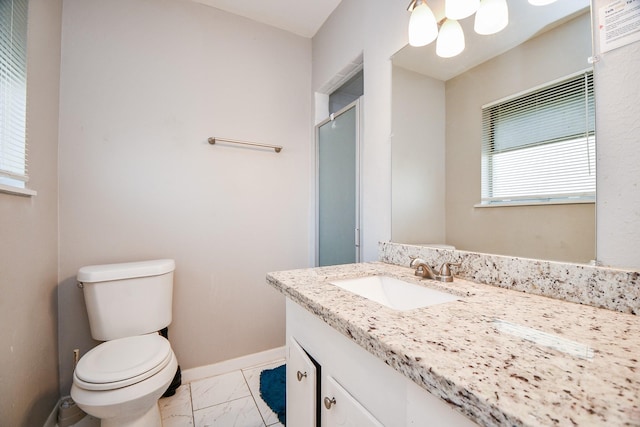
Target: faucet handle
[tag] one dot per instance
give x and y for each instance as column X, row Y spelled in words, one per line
column 445, row 271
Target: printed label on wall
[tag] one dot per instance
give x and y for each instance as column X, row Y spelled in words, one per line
column 619, row 24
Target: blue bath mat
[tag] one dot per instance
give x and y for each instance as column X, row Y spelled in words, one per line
column 273, row 390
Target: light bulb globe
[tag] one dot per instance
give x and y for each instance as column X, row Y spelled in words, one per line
column 450, row 40
column 491, row 17
column 423, row 28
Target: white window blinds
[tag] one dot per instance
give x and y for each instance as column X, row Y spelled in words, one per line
column 540, row 146
column 13, row 92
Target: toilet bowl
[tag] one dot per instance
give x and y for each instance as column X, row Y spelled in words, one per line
column 120, row 380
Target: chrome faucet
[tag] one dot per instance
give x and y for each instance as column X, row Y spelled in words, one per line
column 424, row 270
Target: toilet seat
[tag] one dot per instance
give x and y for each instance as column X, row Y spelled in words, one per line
column 122, row 362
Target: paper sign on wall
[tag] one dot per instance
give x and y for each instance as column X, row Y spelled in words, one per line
column 619, row 24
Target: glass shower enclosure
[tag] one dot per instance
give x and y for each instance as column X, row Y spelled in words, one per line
column 337, row 188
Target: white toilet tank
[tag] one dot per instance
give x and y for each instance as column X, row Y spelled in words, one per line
column 128, row 299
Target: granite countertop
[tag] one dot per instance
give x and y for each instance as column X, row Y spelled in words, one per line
column 466, row 351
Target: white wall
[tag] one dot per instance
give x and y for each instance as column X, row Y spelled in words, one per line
column 143, row 84
column 29, row 241
column 376, row 31
column 618, row 157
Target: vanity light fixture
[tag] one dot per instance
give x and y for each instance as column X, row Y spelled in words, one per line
column 491, row 16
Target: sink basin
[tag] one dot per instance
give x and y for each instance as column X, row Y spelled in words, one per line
column 394, row 293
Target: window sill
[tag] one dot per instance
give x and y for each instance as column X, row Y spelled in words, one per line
column 534, row 203
column 17, row 191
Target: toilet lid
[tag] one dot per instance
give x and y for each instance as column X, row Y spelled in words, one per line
column 122, row 362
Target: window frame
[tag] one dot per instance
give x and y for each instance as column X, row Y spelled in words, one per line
column 489, row 198
column 13, row 110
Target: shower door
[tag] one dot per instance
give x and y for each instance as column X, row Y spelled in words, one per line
column 337, row 188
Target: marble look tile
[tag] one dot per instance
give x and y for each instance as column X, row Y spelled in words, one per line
column 176, row 410
column 236, row 413
column 178, row 421
column 252, row 375
column 215, row 390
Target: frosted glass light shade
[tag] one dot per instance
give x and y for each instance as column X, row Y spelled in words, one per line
column 450, row 40
column 491, row 17
column 423, row 28
column 541, row 2
column 460, row 9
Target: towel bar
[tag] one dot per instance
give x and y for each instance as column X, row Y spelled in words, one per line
column 212, row 140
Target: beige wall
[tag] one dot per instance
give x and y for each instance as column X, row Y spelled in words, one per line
column 557, row 232
column 28, row 242
column 417, row 158
column 206, row 200
column 143, row 84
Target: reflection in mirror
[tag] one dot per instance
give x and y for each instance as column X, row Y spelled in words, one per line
column 437, row 129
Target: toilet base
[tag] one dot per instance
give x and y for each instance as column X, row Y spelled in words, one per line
column 126, row 406
column 151, row 418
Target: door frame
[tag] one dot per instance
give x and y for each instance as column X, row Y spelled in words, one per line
column 358, row 231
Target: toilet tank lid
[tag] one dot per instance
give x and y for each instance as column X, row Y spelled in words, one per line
column 125, row 270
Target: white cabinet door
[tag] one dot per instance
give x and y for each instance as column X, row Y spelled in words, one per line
column 339, row 408
column 301, row 387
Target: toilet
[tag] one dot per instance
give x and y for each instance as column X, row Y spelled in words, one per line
column 120, row 380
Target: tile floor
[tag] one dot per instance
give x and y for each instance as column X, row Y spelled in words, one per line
column 227, row 400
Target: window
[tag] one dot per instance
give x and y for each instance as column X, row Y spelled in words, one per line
column 13, row 96
column 539, row 147
column 348, row 92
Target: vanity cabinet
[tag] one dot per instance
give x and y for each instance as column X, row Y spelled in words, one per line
column 360, row 389
column 301, row 386
column 334, row 406
column 339, row 408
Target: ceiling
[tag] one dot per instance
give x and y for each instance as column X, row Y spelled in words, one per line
column 525, row 21
column 305, row 17
column 302, row 17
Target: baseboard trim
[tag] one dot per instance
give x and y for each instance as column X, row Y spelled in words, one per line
column 52, row 420
column 194, row 374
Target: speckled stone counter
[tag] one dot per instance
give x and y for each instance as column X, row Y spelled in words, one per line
column 613, row 288
column 459, row 352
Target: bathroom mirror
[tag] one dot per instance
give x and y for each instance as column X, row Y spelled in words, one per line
column 436, row 132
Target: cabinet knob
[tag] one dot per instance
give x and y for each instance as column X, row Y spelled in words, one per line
column 301, row 375
column 328, row 403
